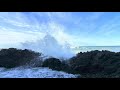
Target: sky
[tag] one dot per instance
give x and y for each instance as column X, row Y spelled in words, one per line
column 75, row 28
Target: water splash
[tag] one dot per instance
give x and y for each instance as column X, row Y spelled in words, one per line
column 49, row 46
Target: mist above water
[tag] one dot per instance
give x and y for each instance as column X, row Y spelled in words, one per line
column 49, row 46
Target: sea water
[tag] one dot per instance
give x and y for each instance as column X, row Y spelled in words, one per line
column 100, row 48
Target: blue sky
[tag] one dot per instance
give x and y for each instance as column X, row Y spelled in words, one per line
column 76, row 28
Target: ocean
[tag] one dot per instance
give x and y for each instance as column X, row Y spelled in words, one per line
column 100, row 48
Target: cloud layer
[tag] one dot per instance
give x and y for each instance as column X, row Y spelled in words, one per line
column 75, row 28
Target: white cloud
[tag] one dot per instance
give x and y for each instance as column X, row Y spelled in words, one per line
column 38, row 30
column 30, row 32
column 109, row 26
column 35, row 30
column 14, row 18
column 10, row 38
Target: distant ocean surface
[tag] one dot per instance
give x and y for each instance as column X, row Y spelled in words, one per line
column 90, row 48
column 100, row 48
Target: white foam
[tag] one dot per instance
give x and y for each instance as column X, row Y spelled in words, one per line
column 34, row 73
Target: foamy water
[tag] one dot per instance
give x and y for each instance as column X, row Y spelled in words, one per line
column 33, row 73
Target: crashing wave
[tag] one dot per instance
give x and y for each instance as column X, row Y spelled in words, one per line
column 49, row 47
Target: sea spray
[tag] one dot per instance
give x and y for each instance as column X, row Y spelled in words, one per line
column 49, row 46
